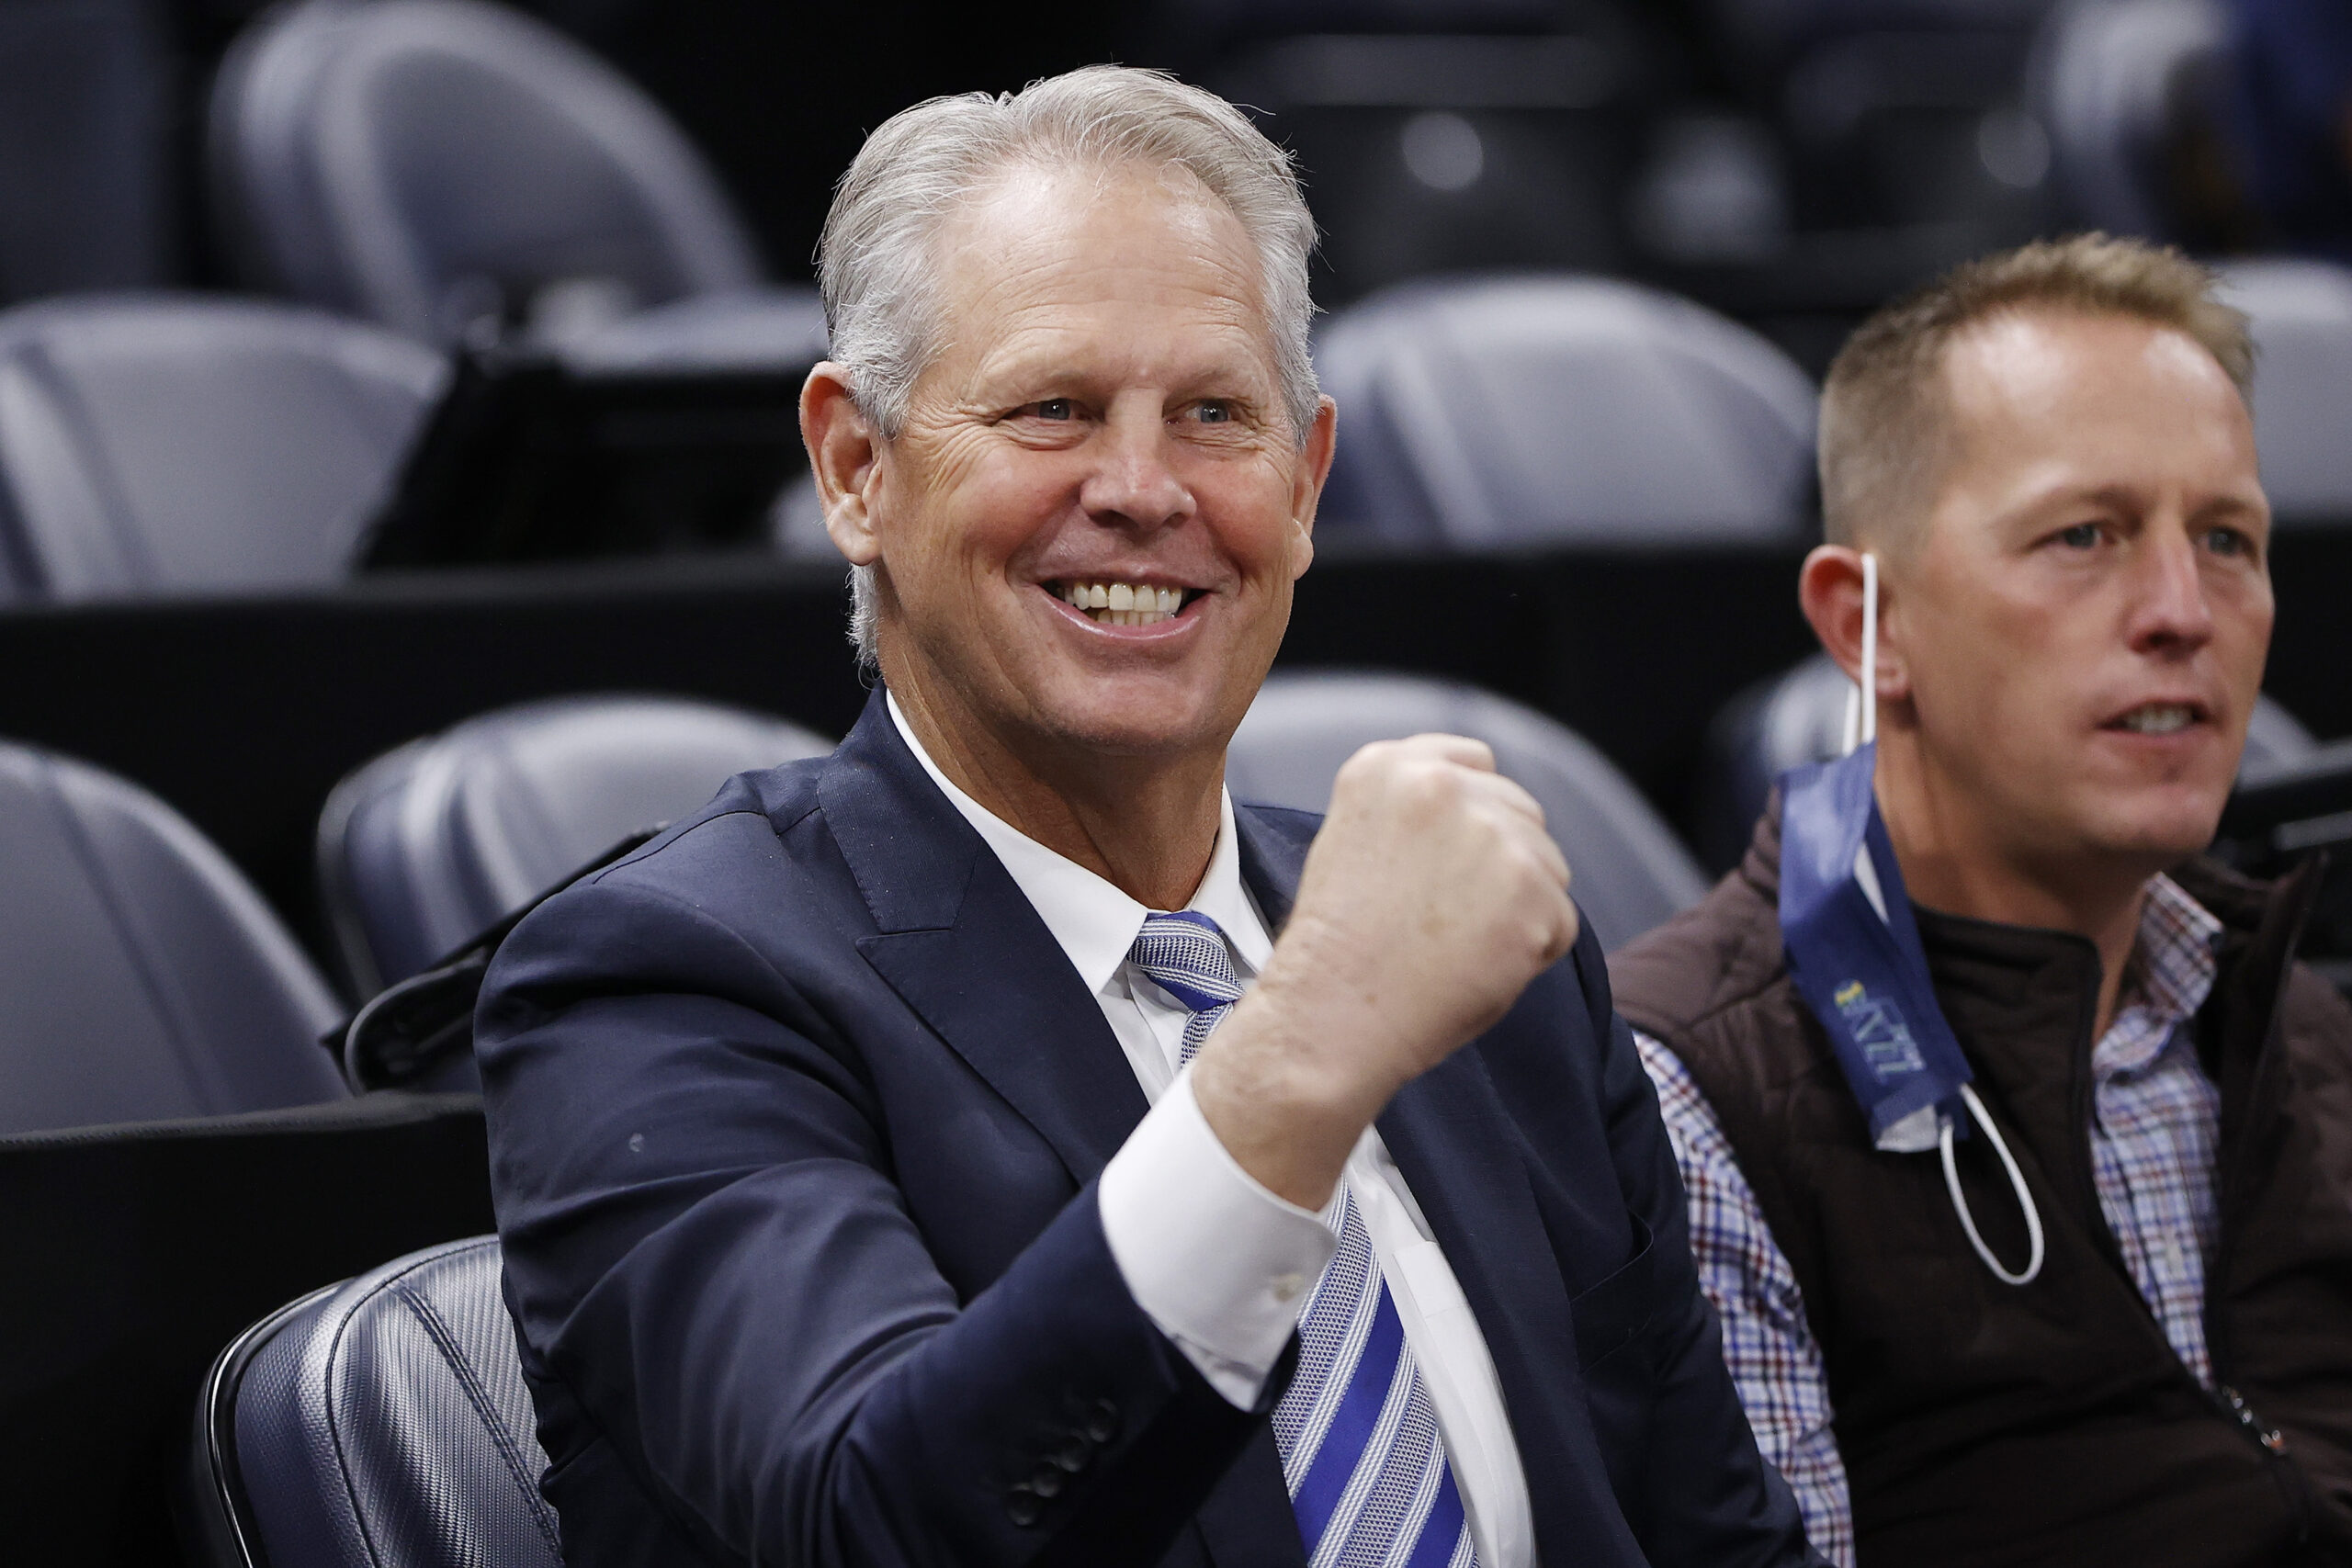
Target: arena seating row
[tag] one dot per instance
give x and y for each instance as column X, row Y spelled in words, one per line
column 1443, row 134
column 210, row 1008
column 153, row 445
column 143, row 979
column 458, row 173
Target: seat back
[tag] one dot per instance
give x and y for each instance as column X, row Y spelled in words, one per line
column 432, row 164
column 140, row 975
column 381, row 1423
column 1512, row 411
column 427, row 845
column 1799, row 717
column 162, row 445
column 2113, row 82
column 2301, row 313
column 1630, row 871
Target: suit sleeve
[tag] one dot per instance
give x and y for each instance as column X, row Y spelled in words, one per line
column 1711, row 1499
column 716, row 1278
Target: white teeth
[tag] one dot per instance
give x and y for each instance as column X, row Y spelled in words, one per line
column 1124, row 603
column 2157, row 718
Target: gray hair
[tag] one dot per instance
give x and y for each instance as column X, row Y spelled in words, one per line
column 877, row 263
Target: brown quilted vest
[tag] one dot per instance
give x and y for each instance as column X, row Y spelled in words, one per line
column 2052, row 1424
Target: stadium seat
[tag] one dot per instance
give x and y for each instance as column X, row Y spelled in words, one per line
column 1630, row 871
column 754, row 329
column 2301, row 312
column 437, row 164
column 427, row 845
column 142, row 977
column 154, row 444
column 1799, row 717
column 381, row 1423
column 2118, row 87
column 1485, row 413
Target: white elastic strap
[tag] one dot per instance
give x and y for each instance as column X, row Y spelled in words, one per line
column 1869, row 647
column 2017, row 1181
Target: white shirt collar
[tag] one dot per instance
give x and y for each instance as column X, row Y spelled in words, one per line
column 1094, row 923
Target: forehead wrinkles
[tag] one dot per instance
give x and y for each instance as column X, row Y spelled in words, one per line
column 1031, row 257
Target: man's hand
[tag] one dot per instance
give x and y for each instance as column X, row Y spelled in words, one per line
column 1430, row 899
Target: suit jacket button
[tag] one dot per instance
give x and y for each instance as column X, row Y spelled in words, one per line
column 1047, row 1482
column 1021, row 1507
column 1103, row 1421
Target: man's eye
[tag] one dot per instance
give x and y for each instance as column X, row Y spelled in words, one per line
column 1052, row 407
column 2228, row 542
column 2081, row 537
column 1213, row 412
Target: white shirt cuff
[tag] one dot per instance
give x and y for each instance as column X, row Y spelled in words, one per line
column 1219, row 1263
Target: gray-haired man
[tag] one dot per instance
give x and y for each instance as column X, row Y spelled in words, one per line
column 990, row 1144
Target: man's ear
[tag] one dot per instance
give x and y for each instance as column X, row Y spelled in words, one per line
column 1829, row 591
column 843, row 449
column 1307, row 485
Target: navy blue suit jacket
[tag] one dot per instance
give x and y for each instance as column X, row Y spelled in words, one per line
column 795, row 1115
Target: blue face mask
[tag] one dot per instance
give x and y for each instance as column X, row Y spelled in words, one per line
column 1854, row 953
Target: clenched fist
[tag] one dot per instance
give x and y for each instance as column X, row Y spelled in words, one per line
column 1430, row 899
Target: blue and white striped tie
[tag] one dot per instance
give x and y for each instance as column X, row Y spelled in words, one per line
column 1360, row 1449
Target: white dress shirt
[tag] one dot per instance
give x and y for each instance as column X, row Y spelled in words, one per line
column 1218, row 1262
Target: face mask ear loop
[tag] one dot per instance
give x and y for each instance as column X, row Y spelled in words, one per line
column 2017, row 1181
column 1869, row 682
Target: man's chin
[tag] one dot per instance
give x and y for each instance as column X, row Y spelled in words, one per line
column 2156, row 838
column 1130, row 724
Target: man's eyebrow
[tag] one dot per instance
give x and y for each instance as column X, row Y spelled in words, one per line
column 2228, row 504
column 2111, row 495
column 1232, row 379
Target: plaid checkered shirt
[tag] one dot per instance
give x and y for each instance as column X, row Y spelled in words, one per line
column 2155, row 1127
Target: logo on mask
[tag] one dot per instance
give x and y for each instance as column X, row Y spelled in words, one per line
column 1877, row 1026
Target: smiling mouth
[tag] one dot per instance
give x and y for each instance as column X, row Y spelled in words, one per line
column 1123, row 603
column 2157, row 718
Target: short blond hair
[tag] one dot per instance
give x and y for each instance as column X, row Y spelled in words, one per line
column 1885, row 413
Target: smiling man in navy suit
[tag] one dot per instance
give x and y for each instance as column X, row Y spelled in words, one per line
column 988, row 1145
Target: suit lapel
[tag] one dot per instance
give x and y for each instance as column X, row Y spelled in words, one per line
column 962, row 946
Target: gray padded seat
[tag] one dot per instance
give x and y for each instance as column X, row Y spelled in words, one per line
column 1799, row 717
column 142, row 977
column 381, row 1423
column 429, row 163
column 745, row 330
column 2108, row 80
column 425, row 846
column 1630, row 872
column 1521, row 410
column 2301, row 312
column 156, row 443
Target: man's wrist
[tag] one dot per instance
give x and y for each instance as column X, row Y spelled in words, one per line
column 1286, row 1100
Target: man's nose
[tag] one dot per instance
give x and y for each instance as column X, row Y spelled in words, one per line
column 1135, row 483
column 2170, row 609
